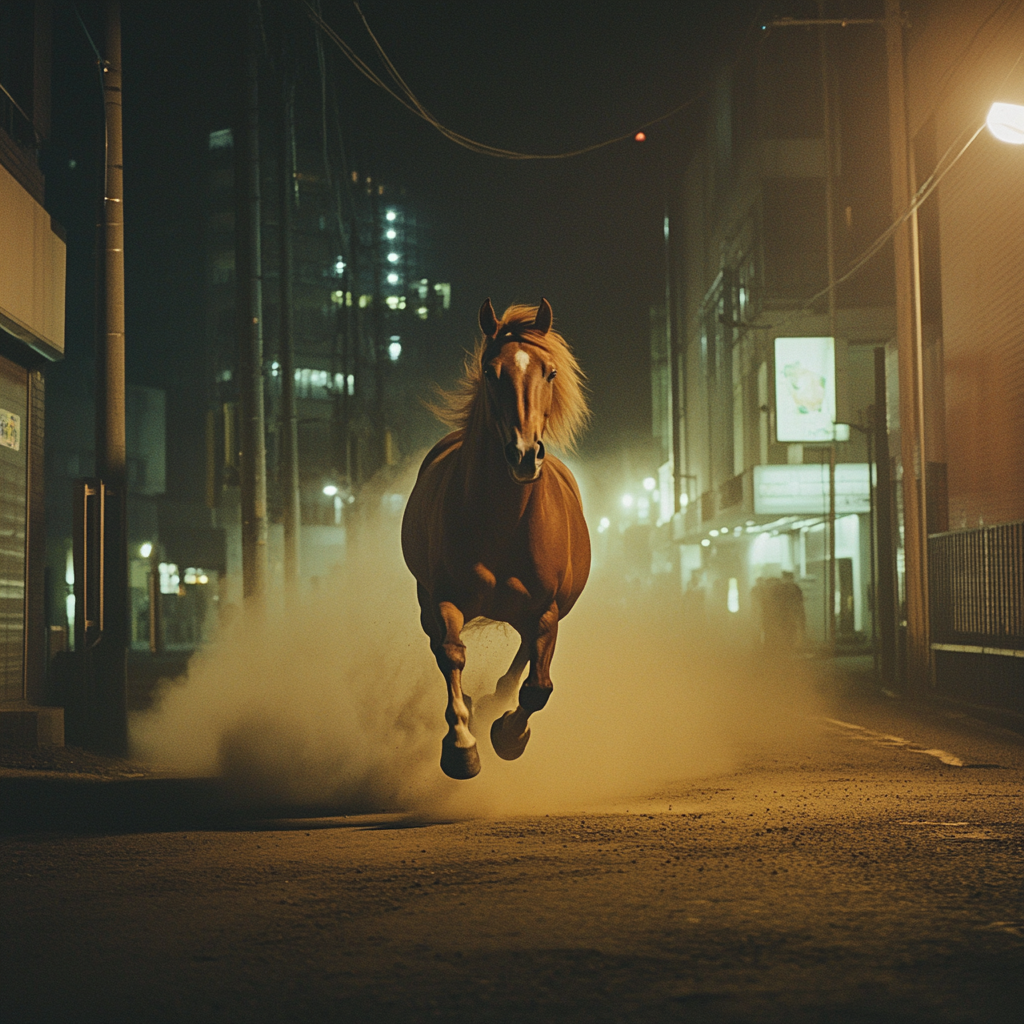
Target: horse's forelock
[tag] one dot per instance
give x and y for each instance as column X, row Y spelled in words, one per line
column 569, row 410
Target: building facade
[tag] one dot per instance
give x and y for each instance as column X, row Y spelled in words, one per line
column 790, row 191
column 32, row 268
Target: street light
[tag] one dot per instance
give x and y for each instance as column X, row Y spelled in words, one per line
column 1006, row 122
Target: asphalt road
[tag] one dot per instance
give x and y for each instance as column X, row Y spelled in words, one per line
column 860, row 874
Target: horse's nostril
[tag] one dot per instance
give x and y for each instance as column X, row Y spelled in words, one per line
column 540, row 450
column 512, row 455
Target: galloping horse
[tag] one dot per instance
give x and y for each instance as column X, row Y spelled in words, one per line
column 494, row 527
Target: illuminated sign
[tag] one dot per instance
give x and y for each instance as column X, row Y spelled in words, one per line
column 10, row 429
column 803, row 490
column 805, row 389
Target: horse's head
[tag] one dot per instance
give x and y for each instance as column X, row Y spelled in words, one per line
column 518, row 375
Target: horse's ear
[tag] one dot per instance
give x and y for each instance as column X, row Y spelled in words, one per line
column 542, row 321
column 488, row 321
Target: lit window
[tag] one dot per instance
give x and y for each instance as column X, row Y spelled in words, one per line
column 222, row 139
column 391, row 215
column 392, row 301
column 392, row 257
column 339, row 266
column 421, row 312
column 394, row 351
column 627, row 501
column 705, row 543
column 390, row 234
column 392, row 278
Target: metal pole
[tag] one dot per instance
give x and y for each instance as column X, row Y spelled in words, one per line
column 672, row 351
column 885, row 573
column 248, row 263
column 289, row 417
column 911, row 454
column 830, row 258
column 830, row 620
column 106, row 657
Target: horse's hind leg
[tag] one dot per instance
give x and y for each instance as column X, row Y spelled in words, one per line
column 504, row 692
column 460, row 758
column 511, row 732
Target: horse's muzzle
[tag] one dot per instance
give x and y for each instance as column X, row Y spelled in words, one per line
column 524, row 468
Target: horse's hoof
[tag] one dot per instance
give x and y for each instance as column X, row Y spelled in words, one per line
column 505, row 746
column 459, row 762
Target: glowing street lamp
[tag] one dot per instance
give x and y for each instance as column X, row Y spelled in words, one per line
column 1006, row 122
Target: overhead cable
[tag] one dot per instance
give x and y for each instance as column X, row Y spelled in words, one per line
column 404, row 95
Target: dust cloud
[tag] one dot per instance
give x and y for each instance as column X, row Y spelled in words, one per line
column 338, row 702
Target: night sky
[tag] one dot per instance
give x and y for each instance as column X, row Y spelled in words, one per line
column 585, row 232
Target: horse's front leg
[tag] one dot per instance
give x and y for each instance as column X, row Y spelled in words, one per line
column 459, row 756
column 511, row 732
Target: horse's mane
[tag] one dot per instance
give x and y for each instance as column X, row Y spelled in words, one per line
column 569, row 410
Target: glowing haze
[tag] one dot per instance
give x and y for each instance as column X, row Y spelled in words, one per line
column 339, row 701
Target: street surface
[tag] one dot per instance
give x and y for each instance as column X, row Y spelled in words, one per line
column 869, row 870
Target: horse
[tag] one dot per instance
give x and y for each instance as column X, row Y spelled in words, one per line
column 494, row 525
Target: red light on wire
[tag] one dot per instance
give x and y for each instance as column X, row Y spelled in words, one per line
column 640, row 137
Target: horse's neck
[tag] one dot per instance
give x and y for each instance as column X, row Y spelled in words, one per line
column 485, row 477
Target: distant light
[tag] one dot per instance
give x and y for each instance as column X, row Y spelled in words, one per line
column 684, row 500
column 713, row 533
column 705, row 543
column 640, row 137
column 394, row 351
column 391, row 215
column 339, row 266
column 204, row 578
column 330, row 490
column 395, row 337
column 392, row 278
column 650, row 483
column 603, row 524
column 146, row 550
column 1006, row 122
column 390, row 233
column 422, row 312
column 392, row 257
column 750, row 522
column 627, row 501
column 732, row 602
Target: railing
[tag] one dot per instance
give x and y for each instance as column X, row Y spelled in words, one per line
column 976, row 584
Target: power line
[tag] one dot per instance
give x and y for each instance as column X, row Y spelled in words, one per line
column 410, row 101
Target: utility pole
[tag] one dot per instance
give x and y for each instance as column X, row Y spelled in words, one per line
column 249, row 299
column 912, row 456
column 289, row 417
column 101, row 534
column 672, row 351
column 830, row 259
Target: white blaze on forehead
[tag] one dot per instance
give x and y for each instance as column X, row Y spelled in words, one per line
column 522, row 359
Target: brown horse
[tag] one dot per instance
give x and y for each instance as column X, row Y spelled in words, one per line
column 494, row 527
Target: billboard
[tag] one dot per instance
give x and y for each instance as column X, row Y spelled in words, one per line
column 803, row 489
column 805, row 389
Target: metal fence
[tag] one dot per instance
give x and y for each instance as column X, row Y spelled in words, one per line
column 976, row 584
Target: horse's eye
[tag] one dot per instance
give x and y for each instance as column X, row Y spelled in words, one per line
column 552, row 375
